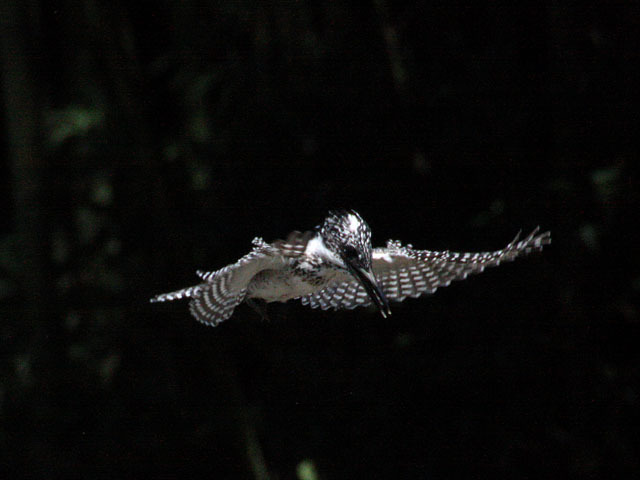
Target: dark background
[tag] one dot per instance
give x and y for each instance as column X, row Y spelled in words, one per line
column 144, row 140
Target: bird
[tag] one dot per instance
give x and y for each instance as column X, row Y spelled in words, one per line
column 335, row 267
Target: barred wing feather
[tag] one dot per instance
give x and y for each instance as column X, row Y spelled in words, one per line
column 215, row 299
column 405, row 272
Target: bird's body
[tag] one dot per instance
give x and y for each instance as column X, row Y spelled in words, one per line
column 336, row 267
column 289, row 283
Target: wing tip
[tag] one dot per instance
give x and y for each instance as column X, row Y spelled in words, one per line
column 532, row 242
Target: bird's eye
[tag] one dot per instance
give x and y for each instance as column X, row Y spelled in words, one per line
column 350, row 252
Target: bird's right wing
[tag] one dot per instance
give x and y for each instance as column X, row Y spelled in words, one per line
column 214, row 300
column 405, row 272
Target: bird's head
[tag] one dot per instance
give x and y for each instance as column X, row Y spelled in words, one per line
column 348, row 237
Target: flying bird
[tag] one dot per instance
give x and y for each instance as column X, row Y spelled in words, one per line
column 335, row 267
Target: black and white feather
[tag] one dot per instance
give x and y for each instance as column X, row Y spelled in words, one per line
column 335, row 267
column 405, row 272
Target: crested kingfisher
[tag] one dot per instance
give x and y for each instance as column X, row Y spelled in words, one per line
column 335, row 266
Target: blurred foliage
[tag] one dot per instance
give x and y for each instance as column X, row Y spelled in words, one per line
column 145, row 140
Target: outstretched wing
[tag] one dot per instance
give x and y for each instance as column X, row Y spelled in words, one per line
column 295, row 244
column 214, row 300
column 404, row 272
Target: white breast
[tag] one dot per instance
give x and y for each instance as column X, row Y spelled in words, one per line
column 317, row 248
column 282, row 285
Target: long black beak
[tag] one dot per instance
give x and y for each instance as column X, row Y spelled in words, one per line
column 368, row 281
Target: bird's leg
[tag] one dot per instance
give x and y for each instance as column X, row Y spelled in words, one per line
column 260, row 307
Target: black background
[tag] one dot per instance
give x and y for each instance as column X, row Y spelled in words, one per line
column 144, row 140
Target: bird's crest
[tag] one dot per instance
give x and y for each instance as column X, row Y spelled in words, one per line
column 346, row 233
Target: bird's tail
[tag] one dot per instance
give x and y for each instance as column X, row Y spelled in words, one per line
column 178, row 294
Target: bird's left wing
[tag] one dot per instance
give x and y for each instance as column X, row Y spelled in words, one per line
column 405, row 272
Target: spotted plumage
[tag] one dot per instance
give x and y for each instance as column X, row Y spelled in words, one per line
column 335, row 267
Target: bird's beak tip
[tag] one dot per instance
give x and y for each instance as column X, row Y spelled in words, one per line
column 368, row 280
